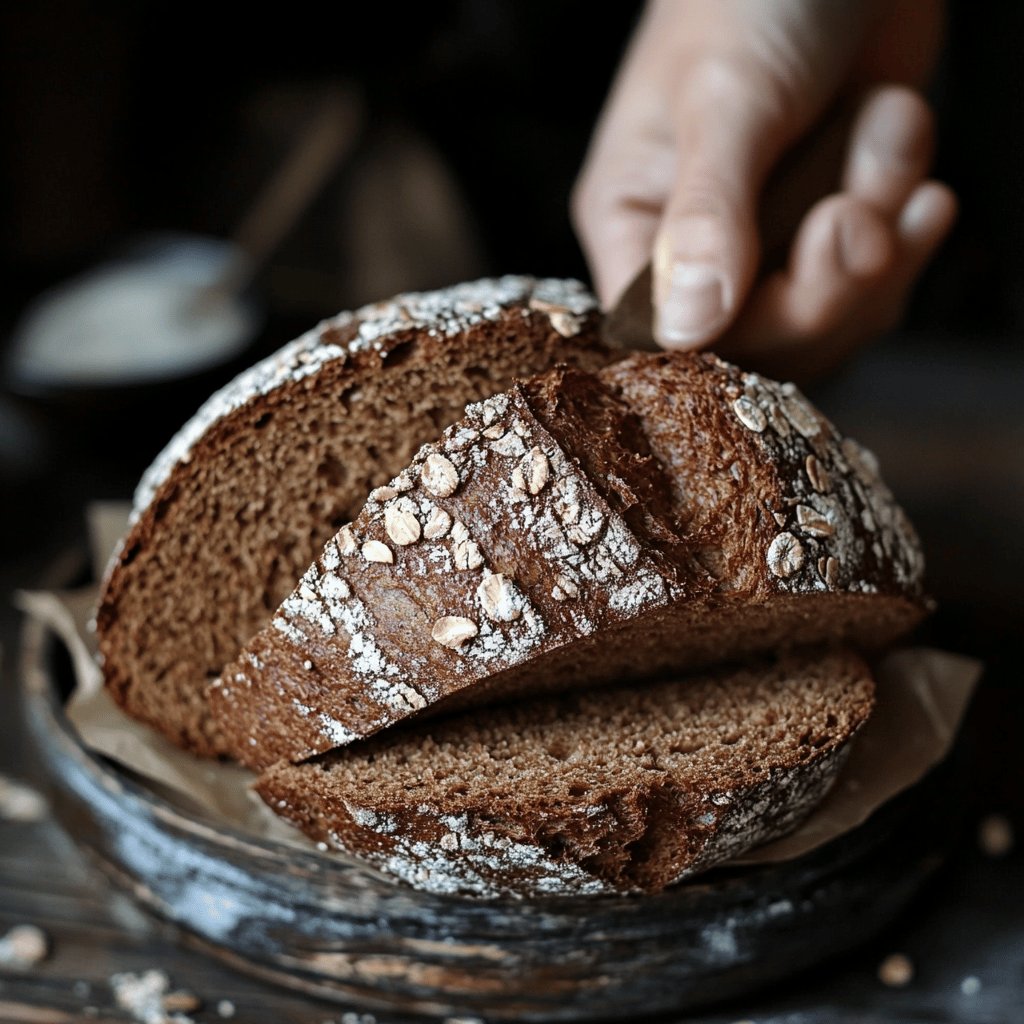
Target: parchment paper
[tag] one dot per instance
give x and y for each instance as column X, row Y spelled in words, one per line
column 922, row 697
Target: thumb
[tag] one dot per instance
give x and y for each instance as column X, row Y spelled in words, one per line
column 706, row 251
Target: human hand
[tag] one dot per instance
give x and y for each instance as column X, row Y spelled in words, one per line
column 711, row 96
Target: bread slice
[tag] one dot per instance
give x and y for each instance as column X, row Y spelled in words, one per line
column 242, row 499
column 668, row 513
column 617, row 790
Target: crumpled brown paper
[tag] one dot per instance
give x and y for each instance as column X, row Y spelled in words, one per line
column 922, row 697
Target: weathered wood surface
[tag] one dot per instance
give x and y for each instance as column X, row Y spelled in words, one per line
column 968, row 924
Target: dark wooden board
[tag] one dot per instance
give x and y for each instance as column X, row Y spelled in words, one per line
column 328, row 926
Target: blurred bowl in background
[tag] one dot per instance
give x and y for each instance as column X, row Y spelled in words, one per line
column 148, row 316
column 119, row 356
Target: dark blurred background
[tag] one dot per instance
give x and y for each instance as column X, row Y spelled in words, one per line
column 468, row 122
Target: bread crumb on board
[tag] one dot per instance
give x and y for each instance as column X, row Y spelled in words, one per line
column 896, row 970
column 148, row 998
column 19, row 802
column 995, row 835
column 23, row 946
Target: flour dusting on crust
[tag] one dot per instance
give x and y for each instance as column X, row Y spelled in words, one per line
column 839, row 527
column 442, row 313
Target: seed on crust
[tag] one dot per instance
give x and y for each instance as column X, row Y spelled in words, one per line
column 785, row 555
column 376, row 551
column 439, row 475
column 401, row 523
column 587, row 527
column 346, row 541
column 383, row 494
column 817, row 474
column 564, row 588
column 532, row 473
column 568, row 513
column 778, row 422
column 438, row 524
column 750, row 414
column 811, row 521
column 799, row 413
column 467, row 555
column 497, row 596
column 490, row 412
column 863, row 460
column 563, row 319
column 453, row 631
column 828, row 570
column 567, row 324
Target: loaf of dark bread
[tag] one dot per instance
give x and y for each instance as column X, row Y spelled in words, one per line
column 240, row 502
column 618, row 790
column 667, row 513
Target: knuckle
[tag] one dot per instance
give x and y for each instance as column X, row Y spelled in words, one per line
column 732, row 82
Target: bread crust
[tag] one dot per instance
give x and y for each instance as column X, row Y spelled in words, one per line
column 712, row 515
column 626, row 791
column 240, row 501
column 618, row 518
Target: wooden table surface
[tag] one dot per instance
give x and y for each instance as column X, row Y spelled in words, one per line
column 950, row 434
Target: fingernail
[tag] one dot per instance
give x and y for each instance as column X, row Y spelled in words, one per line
column 920, row 214
column 695, row 303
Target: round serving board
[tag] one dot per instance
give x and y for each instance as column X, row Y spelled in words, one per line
column 330, row 926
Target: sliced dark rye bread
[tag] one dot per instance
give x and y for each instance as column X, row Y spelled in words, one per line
column 242, row 499
column 671, row 512
column 617, row 790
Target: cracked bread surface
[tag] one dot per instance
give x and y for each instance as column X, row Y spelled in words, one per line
column 667, row 513
column 236, row 507
column 625, row 789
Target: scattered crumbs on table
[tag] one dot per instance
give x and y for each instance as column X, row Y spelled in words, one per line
column 225, row 1009
column 995, row 835
column 896, row 970
column 147, row 998
column 19, row 802
column 23, row 946
column 181, row 1001
column 970, row 986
